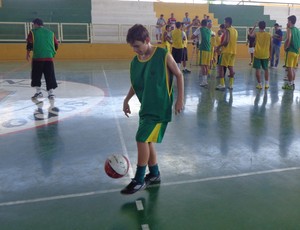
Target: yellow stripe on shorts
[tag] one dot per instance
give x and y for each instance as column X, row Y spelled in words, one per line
column 154, row 134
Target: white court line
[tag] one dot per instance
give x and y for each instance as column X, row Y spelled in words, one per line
column 10, row 203
column 145, row 227
column 139, row 205
column 124, row 149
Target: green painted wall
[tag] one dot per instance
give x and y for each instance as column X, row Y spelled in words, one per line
column 74, row 11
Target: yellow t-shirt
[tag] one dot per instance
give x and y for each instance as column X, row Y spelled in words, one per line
column 262, row 45
column 177, row 39
column 165, row 42
column 233, row 36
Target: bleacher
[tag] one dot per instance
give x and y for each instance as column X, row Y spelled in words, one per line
column 241, row 15
column 280, row 14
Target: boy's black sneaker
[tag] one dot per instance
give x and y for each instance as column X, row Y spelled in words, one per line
column 133, row 187
column 150, row 179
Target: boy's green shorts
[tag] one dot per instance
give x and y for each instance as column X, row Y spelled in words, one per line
column 260, row 63
column 150, row 131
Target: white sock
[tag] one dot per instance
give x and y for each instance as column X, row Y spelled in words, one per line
column 266, row 82
column 50, row 92
column 38, row 89
column 178, row 64
column 204, row 78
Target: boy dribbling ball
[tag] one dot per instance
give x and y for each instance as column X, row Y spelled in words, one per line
column 151, row 82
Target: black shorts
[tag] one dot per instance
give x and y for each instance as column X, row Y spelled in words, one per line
column 177, row 54
column 43, row 67
column 184, row 54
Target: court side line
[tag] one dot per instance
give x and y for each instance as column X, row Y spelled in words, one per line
column 124, row 148
column 52, row 198
column 10, row 203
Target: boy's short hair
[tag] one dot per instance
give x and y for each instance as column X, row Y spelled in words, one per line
column 228, row 20
column 38, row 21
column 204, row 22
column 178, row 25
column 167, row 27
column 137, row 33
column 262, row 25
column 292, row 19
column 222, row 26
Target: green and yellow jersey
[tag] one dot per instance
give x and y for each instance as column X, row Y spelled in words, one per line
column 152, row 84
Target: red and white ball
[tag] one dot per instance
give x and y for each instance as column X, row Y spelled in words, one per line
column 116, row 166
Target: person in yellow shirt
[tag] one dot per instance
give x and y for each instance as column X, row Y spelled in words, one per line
column 261, row 53
column 184, row 52
column 178, row 37
column 228, row 53
column 166, row 39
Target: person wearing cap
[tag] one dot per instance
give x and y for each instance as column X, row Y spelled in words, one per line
column 43, row 44
column 276, row 43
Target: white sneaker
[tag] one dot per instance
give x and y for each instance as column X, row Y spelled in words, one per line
column 220, row 87
column 37, row 95
column 204, row 84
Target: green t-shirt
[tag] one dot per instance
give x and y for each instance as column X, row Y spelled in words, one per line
column 43, row 43
column 295, row 40
column 205, row 39
column 152, row 84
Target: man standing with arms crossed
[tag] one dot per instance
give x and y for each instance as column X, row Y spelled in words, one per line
column 276, row 43
column 228, row 53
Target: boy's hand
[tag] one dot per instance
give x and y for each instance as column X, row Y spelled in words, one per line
column 126, row 109
column 178, row 106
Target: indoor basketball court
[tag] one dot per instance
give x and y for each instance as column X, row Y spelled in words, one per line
column 229, row 161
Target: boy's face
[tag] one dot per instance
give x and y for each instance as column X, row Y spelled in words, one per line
column 140, row 47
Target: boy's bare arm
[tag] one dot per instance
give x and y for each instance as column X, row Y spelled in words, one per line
column 225, row 41
column 172, row 66
column 251, row 33
column 126, row 107
column 288, row 39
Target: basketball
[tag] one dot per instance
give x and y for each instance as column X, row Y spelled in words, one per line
column 116, row 166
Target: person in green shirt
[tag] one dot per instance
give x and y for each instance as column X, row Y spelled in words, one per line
column 291, row 46
column 43, row 44
column 204, row 35
column 151, row 73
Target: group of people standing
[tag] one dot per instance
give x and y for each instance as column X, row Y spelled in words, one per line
column 213, row 48
column 220, row 48
column 265, row 48
column 176, row 35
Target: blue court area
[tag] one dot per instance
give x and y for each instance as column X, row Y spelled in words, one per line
column 231, row 160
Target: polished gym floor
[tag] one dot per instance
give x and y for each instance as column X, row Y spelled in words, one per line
column 231, row 160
